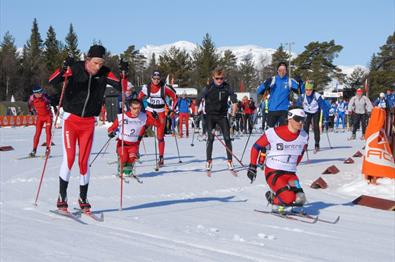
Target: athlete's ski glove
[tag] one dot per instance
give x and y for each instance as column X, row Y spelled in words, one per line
column 112, row 134
column 124, row 67
column 69, row 61
column 251, row 173
column 155, row 115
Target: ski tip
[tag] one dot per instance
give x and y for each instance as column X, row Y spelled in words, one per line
column 336, row 220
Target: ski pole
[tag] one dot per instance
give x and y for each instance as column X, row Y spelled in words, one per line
column 248, row 139
column 156, row 150
column 145, row 149
column 227, row 148
column 329, row 141
column 108, row 141
column 66, row 76
column 178, row 151
column 124, row 83
column 194, row 129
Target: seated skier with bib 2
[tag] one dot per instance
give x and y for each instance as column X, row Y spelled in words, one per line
column 135, row 124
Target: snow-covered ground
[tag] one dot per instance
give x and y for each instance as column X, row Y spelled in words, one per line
column 180, row 214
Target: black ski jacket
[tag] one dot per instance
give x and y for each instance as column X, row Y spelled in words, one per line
column 216, row 98
column 84, row 94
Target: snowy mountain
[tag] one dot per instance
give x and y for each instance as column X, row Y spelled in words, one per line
column 261, row 55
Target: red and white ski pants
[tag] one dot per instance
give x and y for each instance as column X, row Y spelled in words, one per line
column 41, row 120
column 130, row 151
column 77, row 129
column 160, row 131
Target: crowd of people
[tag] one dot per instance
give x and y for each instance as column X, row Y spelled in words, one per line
column 283, row 122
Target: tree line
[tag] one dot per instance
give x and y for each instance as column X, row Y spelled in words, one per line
column 21, row 70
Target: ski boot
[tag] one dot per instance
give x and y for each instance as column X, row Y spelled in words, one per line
column 161, row 161
column 316, row 149
column 128, row 170
column 61, row 204
column 84, row 204
column 230, row 165
column 33, row 153
column 209, row 165
column 269, row 196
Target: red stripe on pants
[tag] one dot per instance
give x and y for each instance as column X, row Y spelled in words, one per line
column 81, row 130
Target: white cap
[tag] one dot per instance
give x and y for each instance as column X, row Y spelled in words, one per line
column 382, row 95
column 296, row 112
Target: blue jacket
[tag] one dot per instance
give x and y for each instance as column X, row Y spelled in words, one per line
column 183, row 105
column 279, row 92
column 391, row 100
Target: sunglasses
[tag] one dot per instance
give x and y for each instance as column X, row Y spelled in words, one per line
column 156, row 78
column 219, row 78
column 299, row 119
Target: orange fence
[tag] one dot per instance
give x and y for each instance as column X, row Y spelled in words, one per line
column 26, row 120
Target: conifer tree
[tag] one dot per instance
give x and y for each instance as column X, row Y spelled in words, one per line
column 53, row 51
column 248, row 73
column 71, row 48
column 178, row 64
column 33, row 67
column 316, row 63
column 205, row 60
column 8, row 67
column 382, row 69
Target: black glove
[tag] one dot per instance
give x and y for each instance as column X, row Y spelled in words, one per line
column 155, row 115
column 124, row 66
column 112, row 134
column 69, row 61
column 251, row 173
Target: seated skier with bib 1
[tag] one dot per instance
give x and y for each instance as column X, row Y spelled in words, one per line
column 282, row 148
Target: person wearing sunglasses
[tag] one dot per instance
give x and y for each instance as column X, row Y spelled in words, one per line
column 312, row 104
column 279, row 88
column 156, row 92
column 216, row 96
column 285, row 147
column 135, row 123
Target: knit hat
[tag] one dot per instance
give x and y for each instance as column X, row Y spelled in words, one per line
column 37, row 90
column 155, row 73
column 96, row 51
column 309, row 86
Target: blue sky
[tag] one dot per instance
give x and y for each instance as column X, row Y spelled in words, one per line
column 361, row 27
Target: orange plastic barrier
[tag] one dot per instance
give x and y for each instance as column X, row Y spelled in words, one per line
column 26, row 120
column 378, row 160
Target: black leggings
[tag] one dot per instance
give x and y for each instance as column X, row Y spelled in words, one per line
column 313, row 119
column 222, row 122
column 277, row 117
column 359, row 118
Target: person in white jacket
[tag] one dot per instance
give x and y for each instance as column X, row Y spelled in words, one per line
column 360, row 106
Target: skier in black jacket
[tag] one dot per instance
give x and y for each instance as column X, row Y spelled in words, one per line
column 216, row 96
column 82, row 101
